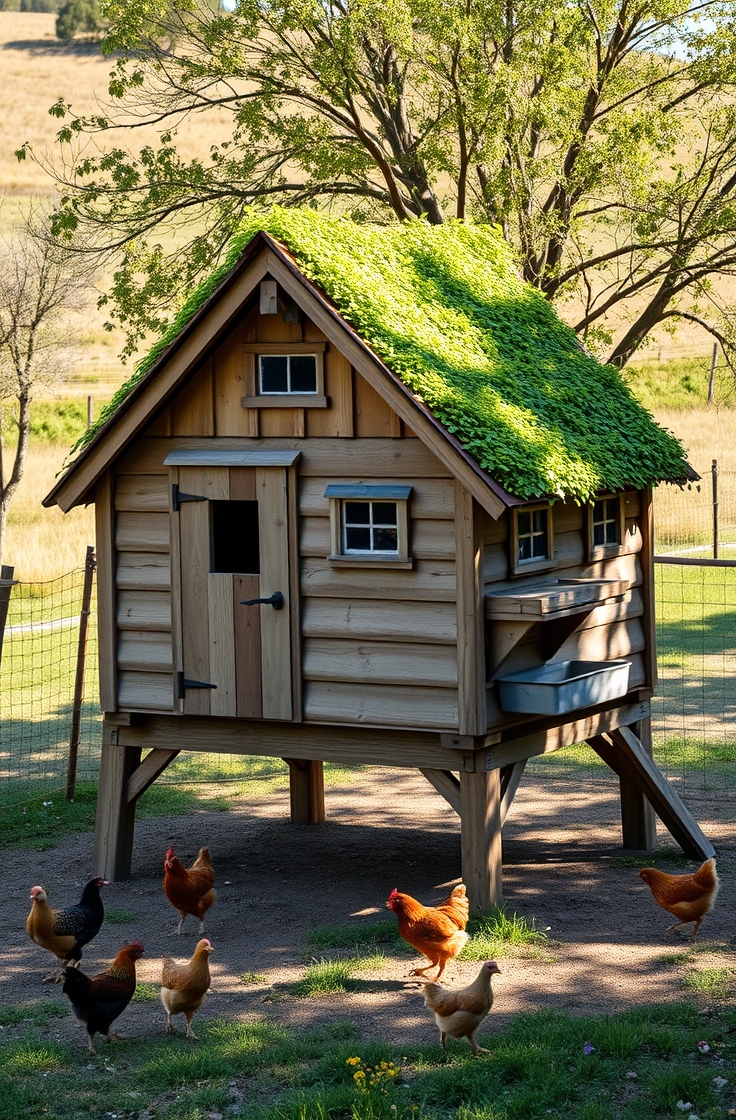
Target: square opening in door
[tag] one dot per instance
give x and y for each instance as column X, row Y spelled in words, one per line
column 234, row 526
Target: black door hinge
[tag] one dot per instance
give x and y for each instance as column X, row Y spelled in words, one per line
column 178, row 496
column 183, row 683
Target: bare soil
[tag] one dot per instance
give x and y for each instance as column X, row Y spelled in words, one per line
column 275, row 881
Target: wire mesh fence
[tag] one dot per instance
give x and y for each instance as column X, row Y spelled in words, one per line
column 701, row 520
column 694, row 709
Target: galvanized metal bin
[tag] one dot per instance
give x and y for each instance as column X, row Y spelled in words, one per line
column 563, row 686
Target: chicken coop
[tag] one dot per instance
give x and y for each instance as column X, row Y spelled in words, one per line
column 371, row 502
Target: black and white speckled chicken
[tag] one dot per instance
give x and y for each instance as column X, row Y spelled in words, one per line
column 65, row 932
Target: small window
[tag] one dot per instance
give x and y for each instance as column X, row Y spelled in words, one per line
column 287, row 373
column 369, row 524
column 605, row 527
column 532, row 539
column 234, row 537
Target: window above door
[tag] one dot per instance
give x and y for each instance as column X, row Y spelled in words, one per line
column 284, row 375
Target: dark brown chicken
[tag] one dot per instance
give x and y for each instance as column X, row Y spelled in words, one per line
column 436, row 931
column 460, row 1013
column 184, row 986
column 686, row 897
column 189, row 889
column 99, row 1000
column 65, row 932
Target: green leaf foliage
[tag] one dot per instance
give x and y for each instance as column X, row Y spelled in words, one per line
column 447, row 311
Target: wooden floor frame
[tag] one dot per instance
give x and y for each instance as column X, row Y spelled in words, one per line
column 477, row 775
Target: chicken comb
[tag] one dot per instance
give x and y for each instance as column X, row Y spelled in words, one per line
column 393, row 894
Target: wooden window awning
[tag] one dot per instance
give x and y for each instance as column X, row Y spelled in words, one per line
column 552, row 598
column 231, row 458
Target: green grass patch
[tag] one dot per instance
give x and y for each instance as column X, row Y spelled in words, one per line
column 542, row 1063
column 115, row 916
column 326, row 977
column 40, row 1013
column 145, row 992
column 253, row 977
column 715, row 982
column 357, row 937
column 502, row 934
column 678, row 384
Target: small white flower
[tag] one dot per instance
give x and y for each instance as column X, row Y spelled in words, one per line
column 48, row 803
column 631, row 1075
column 719, row 1082
column 684, row 1106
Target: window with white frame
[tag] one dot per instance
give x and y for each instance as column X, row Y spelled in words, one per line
column 532, row 539
column 369, row 524
column 287, row 373
column 284, row 375
column 605, row 526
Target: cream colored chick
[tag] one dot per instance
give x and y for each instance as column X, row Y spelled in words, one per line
column 460, row 1013
column 184, row 986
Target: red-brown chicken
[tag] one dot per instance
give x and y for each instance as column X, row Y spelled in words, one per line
column 189, row 890
column 460, row 1013
column 686, row 897
column 65, row 932
column 436, row 931
column 184, row 986
column 99, row 1000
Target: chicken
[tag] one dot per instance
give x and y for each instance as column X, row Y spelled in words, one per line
column 189, row 890
column 65, row 932
column 686, row 897
column 436, row 931
column 460, row 1013
column 99, row 1000
column 184, row 986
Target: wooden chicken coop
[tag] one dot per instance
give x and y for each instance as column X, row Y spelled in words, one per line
column 303, row 551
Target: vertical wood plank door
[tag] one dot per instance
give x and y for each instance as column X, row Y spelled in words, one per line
column 233, row 531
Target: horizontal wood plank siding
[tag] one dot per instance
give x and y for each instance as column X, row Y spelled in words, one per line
column 380, row 662
column 142, row 532
column 144, row 692
column 429, row 579
column 142, row 493
column 144, row 610
column 381, row 620
column 432, row 498
column 380, row 705
column 144, row 651
column 428, row 540
column 143, row 571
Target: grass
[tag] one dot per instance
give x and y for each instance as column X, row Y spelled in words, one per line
column 145, row 992
column 40, row 1013
column 719, row 983
column 329, row 977
column 501, row 934
column 116, row 916
column 358, row 937
column 542, row 1063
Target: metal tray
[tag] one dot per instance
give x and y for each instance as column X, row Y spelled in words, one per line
column 563, row 686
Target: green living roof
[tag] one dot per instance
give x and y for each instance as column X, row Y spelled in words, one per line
column 447, row 311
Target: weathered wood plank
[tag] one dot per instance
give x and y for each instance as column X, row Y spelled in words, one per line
column 480, row 839
column 337, row 420
column 446, row 784
column 194, row 532
column 247, row 631
column 144, row 610
column 356, row 458
column 306, row 791
column 380, row 705
column 647, row 563
column 374, row 417
column 433, row 622
column 152, row 767
column 105, row 552
column 229, row 362
column 433, row 580
column 667, row 802
column 142, row 532
column 604, row 643
column 115, row 820
column 282, row 422
column 430, row 498
column 145, row 651
column 468, row 550
column 143, row 571
column 144, row 493
column 379, row 662
column 273, row 524
column 510, row 781
column 223, row 699
column 145, row 692
column 192, row 409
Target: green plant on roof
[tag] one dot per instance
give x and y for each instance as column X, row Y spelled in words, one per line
column 447, row 312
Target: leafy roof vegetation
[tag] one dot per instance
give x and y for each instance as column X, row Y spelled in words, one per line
column 446, row 310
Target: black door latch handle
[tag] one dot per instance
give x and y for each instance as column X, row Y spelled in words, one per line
column 276, row 601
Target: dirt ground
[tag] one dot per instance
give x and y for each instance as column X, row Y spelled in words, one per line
column 385, row 829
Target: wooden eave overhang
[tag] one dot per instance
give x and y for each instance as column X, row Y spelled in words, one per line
column 264, row 256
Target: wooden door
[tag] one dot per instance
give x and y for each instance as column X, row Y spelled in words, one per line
column 233, row 537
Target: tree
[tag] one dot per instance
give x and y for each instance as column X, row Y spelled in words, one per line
column 78, row 15
column 600, row 135
column 39, row 288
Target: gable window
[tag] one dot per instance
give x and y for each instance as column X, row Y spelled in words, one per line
column 532, row 539
column 369, row 525
column 605, row 526
column 284, row 375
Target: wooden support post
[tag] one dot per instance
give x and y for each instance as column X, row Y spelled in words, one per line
column 480, row 827
column 306, row 790
column 445, row 782
column 71, row 771
column 667, row 803
column 6, row 585
column 638, row 818
column 115, row 814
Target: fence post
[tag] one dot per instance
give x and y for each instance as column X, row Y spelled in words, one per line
column 89, row 411
column 714, row 473
column 71, row 773
column 712, row 380
column 6, row 585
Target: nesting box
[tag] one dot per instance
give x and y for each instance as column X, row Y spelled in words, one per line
column 370, row 476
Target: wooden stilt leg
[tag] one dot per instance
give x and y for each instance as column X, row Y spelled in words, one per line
column 480, row 799
column 115, row 816
column 306, row 791
column 638, row 818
